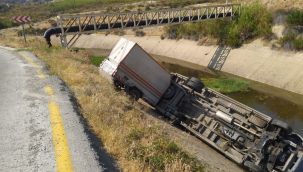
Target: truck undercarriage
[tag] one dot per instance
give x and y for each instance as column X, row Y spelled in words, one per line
column 244, row 135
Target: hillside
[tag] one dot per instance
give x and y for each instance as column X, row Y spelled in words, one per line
column 23, row 1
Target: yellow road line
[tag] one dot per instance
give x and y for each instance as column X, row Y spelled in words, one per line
column 40, row 74
column 49, row 90
column 30, row 60
column 62, row 153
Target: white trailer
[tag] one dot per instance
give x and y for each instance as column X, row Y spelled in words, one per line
column 140, row 74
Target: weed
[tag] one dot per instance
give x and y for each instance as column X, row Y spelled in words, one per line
column 289, row 37
column 135, row 135
column 96, row 60
column 157, row 162
column 298, row 44
column 227, row 85
column 5, row 23
column 292, row 40
column 253, row 21
column 295, row 18
column 172, row 148
column 139, row 33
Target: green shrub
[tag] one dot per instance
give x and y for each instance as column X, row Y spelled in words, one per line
column 298, row 44
column 295, row 17
column 253, row 21
column 292, row 41
column 289, row 37
column 6, row 23
column 159, row 153
column 96, row 60
column 227, row 85
column 234, row 36
column 214, row 28
column 135, row 135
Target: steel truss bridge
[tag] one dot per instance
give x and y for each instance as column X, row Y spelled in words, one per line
column 77, row 24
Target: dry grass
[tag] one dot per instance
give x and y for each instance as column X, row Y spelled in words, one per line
column 277, row 4
column 138, row 144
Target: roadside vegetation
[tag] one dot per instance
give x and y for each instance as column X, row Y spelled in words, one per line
column 227, row 85
column 6, row 23
column 137, row 142
column 254, row 21
column 293, row 38
column 96, row 60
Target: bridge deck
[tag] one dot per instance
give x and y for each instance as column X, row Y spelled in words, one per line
column 78, row 24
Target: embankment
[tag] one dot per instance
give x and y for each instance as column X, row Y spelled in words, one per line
column 254, row 61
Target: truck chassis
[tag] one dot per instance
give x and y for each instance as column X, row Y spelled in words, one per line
column 244, row 135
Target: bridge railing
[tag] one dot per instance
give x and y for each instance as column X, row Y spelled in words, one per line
column 75, row 24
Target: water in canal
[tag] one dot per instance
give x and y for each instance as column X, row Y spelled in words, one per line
column 274, row 102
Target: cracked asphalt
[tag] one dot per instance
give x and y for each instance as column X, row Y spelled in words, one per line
column 27, row 131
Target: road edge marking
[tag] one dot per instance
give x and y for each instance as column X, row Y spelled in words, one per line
column 62, row 153
column 29, row 60
column 59, row 139
column 49, row 90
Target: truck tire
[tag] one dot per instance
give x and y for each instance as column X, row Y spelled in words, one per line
column 280, row 124
column 296, row 139
column 195, row 84
column 135, row 93
column 118, row 84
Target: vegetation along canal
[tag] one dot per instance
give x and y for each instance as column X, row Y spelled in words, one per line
column 274, row 105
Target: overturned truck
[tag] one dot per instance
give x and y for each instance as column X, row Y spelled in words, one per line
column 244, row 135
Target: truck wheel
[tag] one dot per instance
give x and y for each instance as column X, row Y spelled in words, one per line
column 118, row 84
column 135, row 94
column 280, row 124
column 296, row 139
column 252, row 167
column 195, row 84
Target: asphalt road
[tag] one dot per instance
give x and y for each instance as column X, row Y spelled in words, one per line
column 40, row 128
